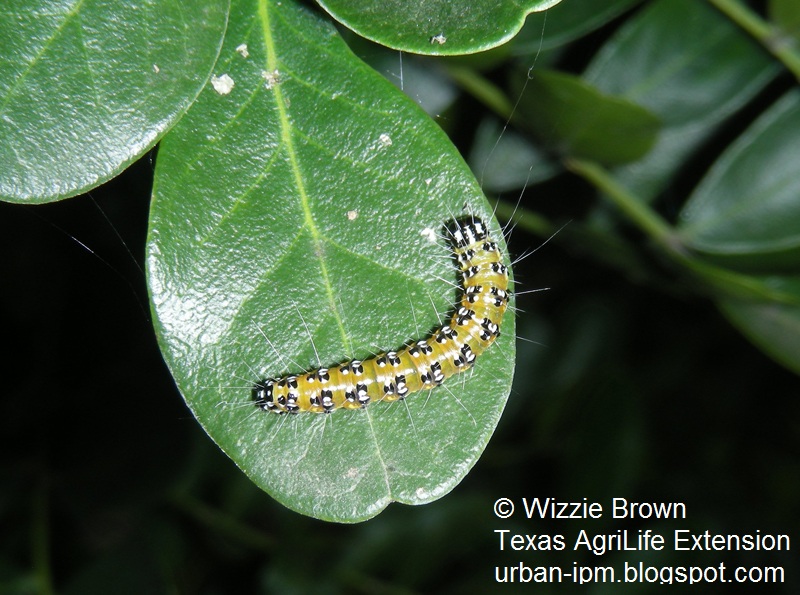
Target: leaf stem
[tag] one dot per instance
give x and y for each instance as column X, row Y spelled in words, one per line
column 730, row 283
column 597, row 244
column 778, row 43
column 482, row 89
column 527, row 220
column 633, row 207
column 40, row 541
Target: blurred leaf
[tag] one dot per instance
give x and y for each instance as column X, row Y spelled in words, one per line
column 137, row 565
column 439, row 27
column 786, row 15
column 301, row 207
column 566, row 22
column 573, row 119
column 88, row 87
column 774, row 328
column 419, row 77
column 691, row 67
column 747, row 209
column 504, row 160
column 426, row 84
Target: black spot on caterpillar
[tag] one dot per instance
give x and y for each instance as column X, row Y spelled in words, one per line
column 419, row 365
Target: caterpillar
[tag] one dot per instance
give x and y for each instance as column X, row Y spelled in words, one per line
column 419, row 365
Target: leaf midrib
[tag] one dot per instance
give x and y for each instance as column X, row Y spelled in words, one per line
column 288, row 142
column 286, row 135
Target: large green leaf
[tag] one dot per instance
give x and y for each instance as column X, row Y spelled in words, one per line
column 746, row 214
column 747, row 209
column 293, row 223
column 436, row 27
column 691, row 67
column 88, row 86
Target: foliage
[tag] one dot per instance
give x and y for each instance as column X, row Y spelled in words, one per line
column 287, row 232
column 684, row 201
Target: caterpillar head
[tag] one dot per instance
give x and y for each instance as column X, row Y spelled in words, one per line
column 467, row 231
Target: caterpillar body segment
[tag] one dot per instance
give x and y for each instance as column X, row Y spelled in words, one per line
column 419, row 365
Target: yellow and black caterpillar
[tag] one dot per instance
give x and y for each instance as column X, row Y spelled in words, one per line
column 420, row 365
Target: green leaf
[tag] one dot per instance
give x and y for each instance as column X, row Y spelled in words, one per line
column 505, row 160
column 566, row 22
column 573, row 119
column 87, row 87
column 786, row 15
column 293, row 225
column 691, row 67
column 420, row 77
column 774, row 328
column 747, row 208
column 435, row 27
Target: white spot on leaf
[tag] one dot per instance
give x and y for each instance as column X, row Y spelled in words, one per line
column 272, row 78
column 222, row 84
column 242, row 49
column 429, row 234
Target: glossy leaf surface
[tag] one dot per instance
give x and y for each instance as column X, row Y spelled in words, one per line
column 297, row 222
column 439, row 27
column 87, row 87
